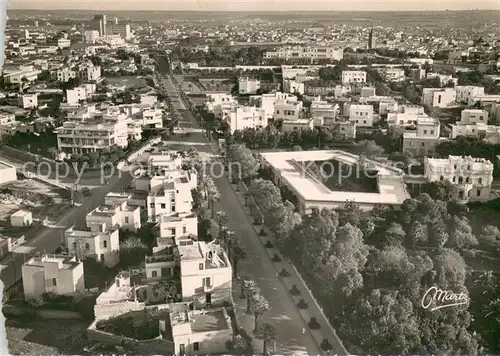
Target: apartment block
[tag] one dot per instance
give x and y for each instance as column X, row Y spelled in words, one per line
column 103, row 246
column 436, row 97
column 86, row 132
column 52, row 274
column 425, row 139
column 472, row 177
column 347, row 129
column 311, row 52
column 353, row 76
column 248, row 86
column 362, row 115
column 466, row 92
column 206, row 274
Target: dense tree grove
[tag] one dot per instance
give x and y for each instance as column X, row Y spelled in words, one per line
column 377, row 266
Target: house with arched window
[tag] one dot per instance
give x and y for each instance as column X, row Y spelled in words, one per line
column 472, row 177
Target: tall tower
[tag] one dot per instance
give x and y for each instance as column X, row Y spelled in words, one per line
column 371, row 39
column 98, row 24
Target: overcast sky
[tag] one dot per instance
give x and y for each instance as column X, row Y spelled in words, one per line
column 257, row 5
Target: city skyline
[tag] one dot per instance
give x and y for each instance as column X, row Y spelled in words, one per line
column 276, row 5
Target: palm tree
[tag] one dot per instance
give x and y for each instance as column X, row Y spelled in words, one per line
column 251, row 289
column 267, row 333
column 222, row 219
column 238, row 255
column 260, row 306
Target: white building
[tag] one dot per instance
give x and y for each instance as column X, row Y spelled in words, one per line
column 353, row 76
column 476, row 116
column 92, row 132
column 63, row 43
column 292, row 169
column 90, row 73
column 196, row 332
column 7, row 173
column 403, row 119
column 30, row 101
column 216, row 99
column 178, row 225
column 444, row 79
column 288, row 110
column 436, row 97
column 152, row 118
column 65, row 74
column 324, row 109
column 21, row 218
column 104, row 246
column 110, row 216
column 310, row 52
column 293, row 86
column 76, row 95
column 267, row 102
column 242, row 117
column 52, row 274
column 394, row 74
column 91, row 36
column 206, row 274
column 297, row 125
column 425, row 139
column 484, row 99
column 466, row 92
column 16, row 76
column 362, row 115
column 248, row 86
column 472, row 177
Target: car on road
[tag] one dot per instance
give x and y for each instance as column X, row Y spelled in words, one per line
column 86, row 192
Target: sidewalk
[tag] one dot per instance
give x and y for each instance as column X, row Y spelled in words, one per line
column 313, row 309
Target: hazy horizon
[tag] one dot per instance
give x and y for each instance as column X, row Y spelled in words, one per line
column 254, row 6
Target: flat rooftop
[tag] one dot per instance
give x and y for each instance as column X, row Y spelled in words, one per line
column 289, row 166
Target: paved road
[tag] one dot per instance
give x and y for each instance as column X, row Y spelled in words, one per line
column 283, row 313
column 49, row 239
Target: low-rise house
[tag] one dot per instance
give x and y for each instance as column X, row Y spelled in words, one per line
column 353, row 76
column 243, row 117
column 466, row 92
column 436, row 97
column 288, row 110
column 196, row 331
column 21, row 218
column 248, row 86
column 474, row 116
column 297, row 125
column 425, row 139
column 104, row 246
column 361, row 114
column 123, row 215
column 52, row 274
column 472, row 177
column 178, row 225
